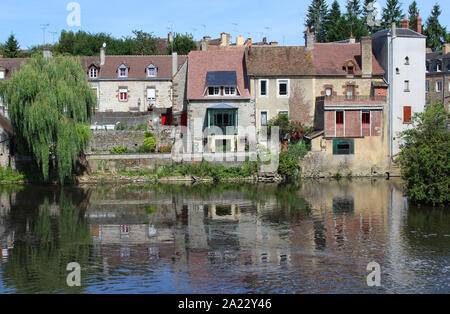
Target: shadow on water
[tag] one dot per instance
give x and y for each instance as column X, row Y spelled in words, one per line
column 227, row 238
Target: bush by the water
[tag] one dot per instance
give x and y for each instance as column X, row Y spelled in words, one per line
column 289, row 160
column 424, row 156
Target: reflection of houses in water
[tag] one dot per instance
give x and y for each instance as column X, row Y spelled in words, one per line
column 6, row 234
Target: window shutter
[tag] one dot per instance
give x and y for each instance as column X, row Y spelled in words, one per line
column 406, row 114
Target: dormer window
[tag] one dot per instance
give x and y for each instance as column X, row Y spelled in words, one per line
column 213, row 91
column 438, row 67
column 123, row 71
column 93, row 73
column 349, row 67
column 151, row 71
column 229, row 91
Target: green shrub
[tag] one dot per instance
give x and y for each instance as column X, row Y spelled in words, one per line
column 149, row 144
column 118, row 150
column 289, row 165
column 424, row 156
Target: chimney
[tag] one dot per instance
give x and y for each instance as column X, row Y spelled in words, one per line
column 174, row 63
column 170, row 37
column 445, row 49
column 240, row 41
column 249, row 42
column 225, row 40
column 310, row 39
column 366, row 56
column 405, row 22
column 394, row 29
column 274, row 43
column 47, row 52
column 352, row 39
column 102, row 56
column 418, row 24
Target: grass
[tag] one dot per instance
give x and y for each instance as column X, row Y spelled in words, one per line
column 7, row 175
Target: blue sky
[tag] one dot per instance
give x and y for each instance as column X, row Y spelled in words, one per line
column 279, row 20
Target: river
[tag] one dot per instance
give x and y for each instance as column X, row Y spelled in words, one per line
column 316, row 237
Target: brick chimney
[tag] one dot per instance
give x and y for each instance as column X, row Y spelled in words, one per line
column 274, row 43
column 366, row 56
column 352, row 39
column 310, row 39
column 405, row 22
column 418, row 24
column 240, row 41
column 174, row 63
column 170, row 37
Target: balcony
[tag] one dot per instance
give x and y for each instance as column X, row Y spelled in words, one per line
column 355, row 101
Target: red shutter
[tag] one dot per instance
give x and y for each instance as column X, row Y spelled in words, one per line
column 406, row 114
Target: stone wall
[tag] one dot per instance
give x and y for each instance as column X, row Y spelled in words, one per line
column 125, row 118
column 103, row 141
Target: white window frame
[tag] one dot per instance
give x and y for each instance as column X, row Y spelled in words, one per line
column 406, row 86
column 152, row 67
column 125, row 91
column 438, row 67
column 260, row 117
column 215, row 87
column 119, row 71
column 281, row 81
column 229, row 94
column 93, row 70
column 437, row 86
column 2, row 75
column 267, row 88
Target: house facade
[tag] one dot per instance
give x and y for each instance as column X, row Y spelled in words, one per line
column 7, row 68
column 219, row 107
column 281, row 81
column 402, row 54
column 437, row 71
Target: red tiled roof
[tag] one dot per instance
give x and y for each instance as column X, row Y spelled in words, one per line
column 329, row 58
column 11, row 64
column 137, row 66
column 201, row 62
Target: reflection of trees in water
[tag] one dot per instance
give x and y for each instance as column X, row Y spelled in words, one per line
column 47, row 240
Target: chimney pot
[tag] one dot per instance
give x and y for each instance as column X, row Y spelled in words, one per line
column 418, row 24
column 310, row 39
column 405, row 22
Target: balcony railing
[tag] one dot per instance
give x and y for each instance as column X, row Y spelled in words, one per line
column 356, row 98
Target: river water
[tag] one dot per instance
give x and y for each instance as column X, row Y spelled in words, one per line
column 317, row 237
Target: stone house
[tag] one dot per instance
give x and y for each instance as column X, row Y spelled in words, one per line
column 6, row 138
column 7, row 68
column 437, row 70
column 281, row 81
column 218, row 95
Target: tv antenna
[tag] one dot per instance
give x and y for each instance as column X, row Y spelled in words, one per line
column 268, row 29
column 54, row 35
column 204, row 29
column 44, row 28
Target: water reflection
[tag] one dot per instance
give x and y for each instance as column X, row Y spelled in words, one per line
column 227, row 238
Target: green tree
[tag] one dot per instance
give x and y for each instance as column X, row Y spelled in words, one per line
column 182, row 44
column 435, row 32
column 392, row 13
column 316, row 19
column 354, row 24
column 335, row 23
column 424, row 156
column 50, row 104
column 412, row 13
column 145, row 43
column 11, row 48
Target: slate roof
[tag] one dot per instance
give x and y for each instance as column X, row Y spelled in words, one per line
column 137, row 66
column 329, row 59
column 281, row 60
column 221, row 78
column 202, row 62
column 401, row 32
column 5, row 123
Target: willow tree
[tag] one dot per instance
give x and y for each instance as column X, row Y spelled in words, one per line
column 50, row 105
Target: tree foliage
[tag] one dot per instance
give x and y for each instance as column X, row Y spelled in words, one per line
column 11, row 48
column 424, row 156
column 392, row 13
column 316, row 19
column 50, row 103
column 435, row 32
column 182, row 44
column 412, row 15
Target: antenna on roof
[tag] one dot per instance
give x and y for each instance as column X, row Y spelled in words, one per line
column 44, row 28
column 54, row 34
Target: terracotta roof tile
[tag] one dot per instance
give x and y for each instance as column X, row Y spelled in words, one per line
column 11, row 65
column 280, row 61
column 202, row 62
column 329, row 58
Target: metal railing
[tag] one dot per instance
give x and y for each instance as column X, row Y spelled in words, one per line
column 358, row 98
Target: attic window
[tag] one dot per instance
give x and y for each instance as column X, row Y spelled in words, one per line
column 438, row 67
column 350, row 70
column 123, row 71
column 93, row 73
column 213, row 91
column 349, row 67
column 151, row 71
column 407, row 61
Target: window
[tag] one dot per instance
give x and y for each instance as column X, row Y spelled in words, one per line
column 366, row 117
column 340, row 117
column 427, row 87
column 230, row 91
column 406, row 114
column 397, row 71
column 407, row 61
column 263, row 88
column 283, row 88
column 2, row 75
column 123, row 71
column 213, row 91
column 283, row 112
column 124, row 231
column 350, row 91
column 123, row 94
column 406, row 86
column 427, row 66
column 263, row 118
column 329, row 92
column 343, row 147
column 438, row 67
column 151, row 95
column 151, row 71
column 93, row 72
column 350, row 70
column 439, row 86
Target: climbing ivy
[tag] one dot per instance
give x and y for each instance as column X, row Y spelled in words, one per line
column 50, row 105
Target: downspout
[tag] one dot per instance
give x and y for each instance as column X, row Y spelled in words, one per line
column 391, row 94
